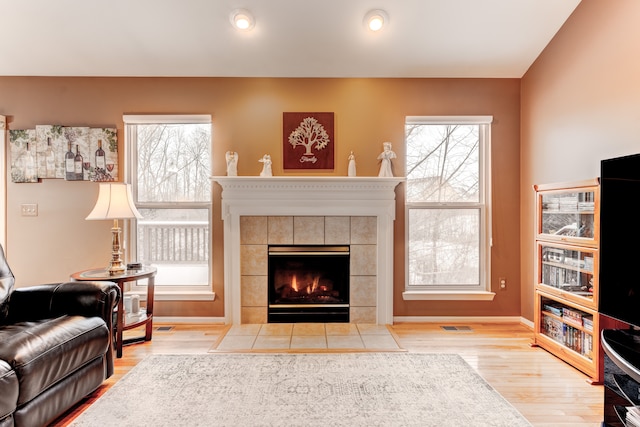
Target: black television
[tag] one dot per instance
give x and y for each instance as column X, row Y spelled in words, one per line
column 619, row 275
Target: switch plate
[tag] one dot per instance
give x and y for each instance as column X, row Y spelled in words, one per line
column 29, row 209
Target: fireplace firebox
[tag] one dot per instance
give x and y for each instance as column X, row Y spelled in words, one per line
column 308, row 284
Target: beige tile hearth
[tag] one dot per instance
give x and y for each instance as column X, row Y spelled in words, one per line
column 344, row 342
column 272, row 342
column 311, row 342
column 305, row 329
column 308, row 336
column 342, row 329
column 276, row 329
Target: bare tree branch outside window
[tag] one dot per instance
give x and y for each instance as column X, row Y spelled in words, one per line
column 173, row 163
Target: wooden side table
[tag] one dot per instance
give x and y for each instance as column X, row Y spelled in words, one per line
column 146, row 314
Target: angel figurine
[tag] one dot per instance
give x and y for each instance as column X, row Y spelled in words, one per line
column 232, row 163
column 266, row 167
column 352, row 165
column 386, row 156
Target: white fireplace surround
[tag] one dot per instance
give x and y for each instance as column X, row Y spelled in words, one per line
column 308, row 196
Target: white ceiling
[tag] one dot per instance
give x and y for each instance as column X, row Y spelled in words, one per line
column 291, row 38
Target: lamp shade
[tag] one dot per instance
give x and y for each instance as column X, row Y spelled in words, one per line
column 114, row 202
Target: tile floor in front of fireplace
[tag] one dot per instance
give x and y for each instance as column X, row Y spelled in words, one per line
column 308, row 336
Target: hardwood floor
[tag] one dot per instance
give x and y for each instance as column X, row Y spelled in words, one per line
column 547, row 391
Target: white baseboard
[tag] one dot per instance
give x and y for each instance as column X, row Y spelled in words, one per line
column 170, row 319
column 527, row 322
column 396, row 319
column 461, row 319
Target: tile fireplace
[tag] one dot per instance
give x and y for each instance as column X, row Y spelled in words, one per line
column 264, row 212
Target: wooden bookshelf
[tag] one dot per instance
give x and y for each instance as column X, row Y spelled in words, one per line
column 566, row 318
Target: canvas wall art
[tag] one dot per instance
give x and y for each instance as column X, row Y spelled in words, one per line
column 64, row 152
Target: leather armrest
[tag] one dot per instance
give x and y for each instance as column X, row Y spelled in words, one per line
column 70, row 298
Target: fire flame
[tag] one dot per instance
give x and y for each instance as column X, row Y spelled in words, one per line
column 309, row 288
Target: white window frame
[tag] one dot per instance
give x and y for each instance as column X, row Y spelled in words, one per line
column 3, row 183
column 482, row 291
column 165, row 292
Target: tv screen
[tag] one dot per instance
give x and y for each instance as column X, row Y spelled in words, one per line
column 619, row 284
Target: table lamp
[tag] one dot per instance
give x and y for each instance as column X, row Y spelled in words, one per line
column 114, row 202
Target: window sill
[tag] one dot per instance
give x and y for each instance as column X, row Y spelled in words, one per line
column 184, row 295
column 448, row 295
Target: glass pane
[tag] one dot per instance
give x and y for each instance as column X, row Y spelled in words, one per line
column 177, row 242
column 567, row 269
column 444, row 247
column 568, row 326
column 568, row 214
column 443, row 163
column 173, row 162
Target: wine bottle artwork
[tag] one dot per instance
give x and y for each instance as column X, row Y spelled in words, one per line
column 67, row 152
column 22, row 146
column 103, row 147
column 69, row 167
column 77, row 165
column 100, row 158
column 30, row 174
column 50, row 160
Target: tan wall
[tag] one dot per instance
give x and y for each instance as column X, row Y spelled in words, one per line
column 247, row 118
column 580, row 104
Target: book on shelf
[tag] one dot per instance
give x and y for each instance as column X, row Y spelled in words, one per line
column 571, row 316
column 553, row 328
column 577, row 340
column 553, row 308
column 587, row 347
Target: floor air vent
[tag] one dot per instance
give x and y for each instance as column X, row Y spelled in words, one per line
column 457, row 328
column 164, row 328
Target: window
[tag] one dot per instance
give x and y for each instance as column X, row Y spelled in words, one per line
column 3, row 184
column 447, row 208
column 168, row 163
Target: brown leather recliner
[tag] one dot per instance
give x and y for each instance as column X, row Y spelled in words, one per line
column 56, row 346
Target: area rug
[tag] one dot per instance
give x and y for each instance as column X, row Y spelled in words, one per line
column 341, row 389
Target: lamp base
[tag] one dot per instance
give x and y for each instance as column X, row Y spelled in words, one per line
column 116, row 266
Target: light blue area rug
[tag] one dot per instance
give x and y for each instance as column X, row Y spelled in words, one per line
column 341, row 389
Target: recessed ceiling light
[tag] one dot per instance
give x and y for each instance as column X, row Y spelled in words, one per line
column 241, row 19
column 375, row 20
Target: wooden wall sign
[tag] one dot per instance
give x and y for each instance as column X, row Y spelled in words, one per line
column 308, row 141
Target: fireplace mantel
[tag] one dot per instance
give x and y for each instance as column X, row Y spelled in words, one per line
column 308, row 196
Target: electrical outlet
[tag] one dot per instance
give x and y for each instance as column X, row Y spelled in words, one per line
column 29, row 209
column 503, row 283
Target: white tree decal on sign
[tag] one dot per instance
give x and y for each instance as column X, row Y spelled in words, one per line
column 308, row 134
